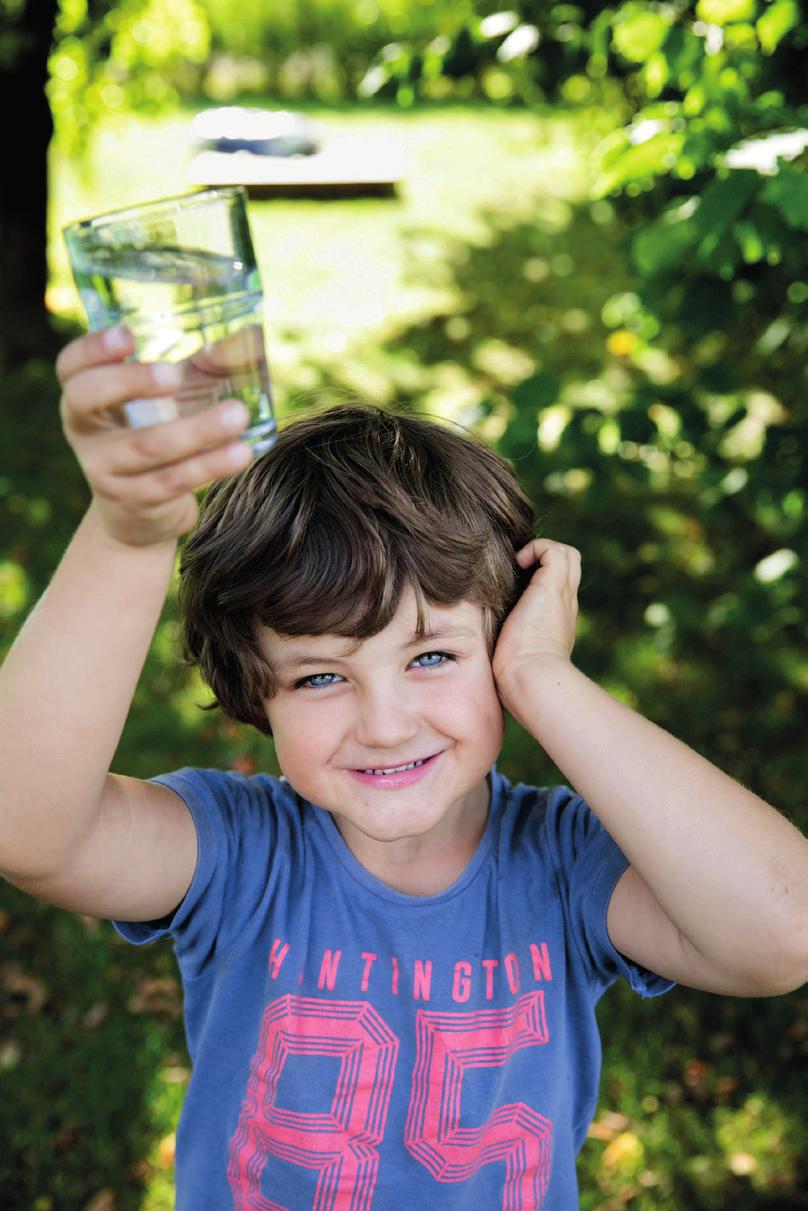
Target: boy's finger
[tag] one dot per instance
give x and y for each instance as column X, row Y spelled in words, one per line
column 240, row 350
column 93, row 390
column 533, row 552
column 162, row 484
column 537, row 548
column 93, row 349
column 133, row 451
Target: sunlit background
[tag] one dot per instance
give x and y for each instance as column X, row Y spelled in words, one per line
column 593, row 254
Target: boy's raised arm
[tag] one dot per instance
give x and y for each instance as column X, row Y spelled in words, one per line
column 71, row 832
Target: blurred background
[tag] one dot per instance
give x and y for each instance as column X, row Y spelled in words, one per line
column 592, row 251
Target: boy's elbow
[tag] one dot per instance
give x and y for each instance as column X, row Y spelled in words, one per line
column 786, row 986
column 783, row 958
column 761, row 984
column 790, row 975
column 773, row 972
column 798, row 979
column 795, row 970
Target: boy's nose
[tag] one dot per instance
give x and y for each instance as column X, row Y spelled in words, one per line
column 385, row 723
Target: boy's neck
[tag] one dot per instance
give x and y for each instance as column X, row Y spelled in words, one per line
column 425, row 865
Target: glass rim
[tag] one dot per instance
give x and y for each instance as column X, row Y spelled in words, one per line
column 181, row 201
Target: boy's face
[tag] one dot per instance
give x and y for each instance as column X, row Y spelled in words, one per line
column 392, row 702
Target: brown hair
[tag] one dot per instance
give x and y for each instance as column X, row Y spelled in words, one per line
column 321, row 534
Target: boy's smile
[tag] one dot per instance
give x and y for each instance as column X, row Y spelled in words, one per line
column 346, row 710
column 396, row 776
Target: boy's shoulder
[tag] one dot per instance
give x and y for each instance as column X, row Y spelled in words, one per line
column 541, row 804
column 241, row 801
column 554, row 821
column 216, row 781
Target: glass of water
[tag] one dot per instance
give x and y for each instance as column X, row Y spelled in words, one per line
column 181, row 275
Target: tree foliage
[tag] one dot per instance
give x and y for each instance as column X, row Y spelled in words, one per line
column 114, row 54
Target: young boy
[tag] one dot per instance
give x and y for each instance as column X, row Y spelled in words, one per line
column 390, row 956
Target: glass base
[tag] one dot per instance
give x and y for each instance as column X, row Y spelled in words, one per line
column 262, row 436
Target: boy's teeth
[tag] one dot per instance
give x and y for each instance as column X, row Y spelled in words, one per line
column 398, row 770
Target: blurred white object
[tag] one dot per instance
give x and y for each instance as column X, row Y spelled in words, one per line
column 276, row 150
column 518, row 45
column 641, row 132
column 262, row 132
column 762, row 154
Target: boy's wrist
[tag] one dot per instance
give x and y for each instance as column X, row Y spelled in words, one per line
column 104, row 533
column 525, row 686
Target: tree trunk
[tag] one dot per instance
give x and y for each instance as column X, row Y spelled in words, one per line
column 27, row 129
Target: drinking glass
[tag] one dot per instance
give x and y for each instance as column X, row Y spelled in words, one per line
column 180, row 273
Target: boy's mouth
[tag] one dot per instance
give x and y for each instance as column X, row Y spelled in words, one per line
column 396, row 775
column 394, row 769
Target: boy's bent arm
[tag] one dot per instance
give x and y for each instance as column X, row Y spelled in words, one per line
column 66, row 826
column 717, row 892
column 729, row 871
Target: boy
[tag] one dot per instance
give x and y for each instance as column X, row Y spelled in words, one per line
column 391, row 956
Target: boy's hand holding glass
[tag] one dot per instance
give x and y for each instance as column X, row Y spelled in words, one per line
column 541, row 626
column 143, row 479
column 181, row 275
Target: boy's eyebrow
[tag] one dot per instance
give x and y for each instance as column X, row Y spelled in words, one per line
column 297, row 660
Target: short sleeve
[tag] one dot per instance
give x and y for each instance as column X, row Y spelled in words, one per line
column 235, row 823
column 589, row 864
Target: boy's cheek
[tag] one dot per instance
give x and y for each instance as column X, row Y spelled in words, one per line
column 489, row 721
column 299, row 771
column 496, row 727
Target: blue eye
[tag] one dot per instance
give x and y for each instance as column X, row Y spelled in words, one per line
column 324, row 681
column 442, row 657
column 309, row 682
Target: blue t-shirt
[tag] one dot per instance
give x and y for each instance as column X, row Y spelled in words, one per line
column 358, row 1049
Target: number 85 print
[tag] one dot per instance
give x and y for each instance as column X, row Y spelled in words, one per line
column 343, row 1142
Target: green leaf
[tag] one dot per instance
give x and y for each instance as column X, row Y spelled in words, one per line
column 651, row 158
column 662, row 245
column 14, row 589
column 656, row 74
column 775, row 23
column 684, row 51
column 537, row 392
column 741, row 34
column 637, row 33
column 788, row 192
column 722, row 12
column 769, row 228
column 720, row 254
column 751, row 243
column 775, row 335
column 720, row 204
column 609, row 435
column 697, row 230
